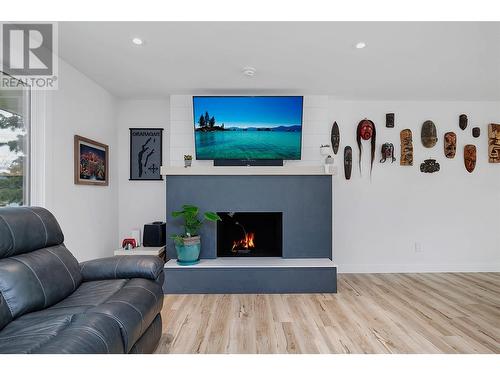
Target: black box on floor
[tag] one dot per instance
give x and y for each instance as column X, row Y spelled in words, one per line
column 154, row 234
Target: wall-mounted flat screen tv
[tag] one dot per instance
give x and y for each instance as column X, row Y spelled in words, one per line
column 248, row 127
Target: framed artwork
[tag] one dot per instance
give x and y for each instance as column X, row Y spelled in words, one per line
column 91, row 162
column 146, row 154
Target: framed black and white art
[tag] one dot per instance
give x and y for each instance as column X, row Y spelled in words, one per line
column 145, row 153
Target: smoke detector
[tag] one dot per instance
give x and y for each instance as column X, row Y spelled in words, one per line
column 249, row 71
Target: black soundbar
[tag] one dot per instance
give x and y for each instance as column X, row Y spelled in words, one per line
column 248, row 163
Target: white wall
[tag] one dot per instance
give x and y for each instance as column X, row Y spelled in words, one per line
column 451, row 214
column 140, row 202
column 87, row 214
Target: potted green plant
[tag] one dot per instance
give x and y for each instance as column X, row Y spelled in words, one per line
column 187, row 160
column 188, row 244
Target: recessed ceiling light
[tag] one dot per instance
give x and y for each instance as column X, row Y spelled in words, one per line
column 137, row 41
column 360, row 45
column 249, row 71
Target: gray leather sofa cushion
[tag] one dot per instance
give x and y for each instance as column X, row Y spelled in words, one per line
column 24, row 229
column 134, row 308
column 130, row 305
column 87, row 296
column 123, row 267
column 87, row 334
column 24, row 335
column 84, row 333
column 91, row 294
column 39, row 279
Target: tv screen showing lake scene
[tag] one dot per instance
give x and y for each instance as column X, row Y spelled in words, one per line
column 246, row 128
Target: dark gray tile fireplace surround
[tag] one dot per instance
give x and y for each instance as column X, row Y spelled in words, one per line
column 306, row 204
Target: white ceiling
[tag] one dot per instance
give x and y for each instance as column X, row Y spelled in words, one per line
column 402, row 60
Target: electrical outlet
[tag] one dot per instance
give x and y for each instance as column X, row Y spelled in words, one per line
column 418, row 247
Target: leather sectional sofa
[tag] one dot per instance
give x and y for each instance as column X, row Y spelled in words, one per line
column 49, row 303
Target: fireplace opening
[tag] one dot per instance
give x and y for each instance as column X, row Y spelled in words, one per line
column 249, row 234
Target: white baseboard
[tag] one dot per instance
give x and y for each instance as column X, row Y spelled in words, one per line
column 416, row 268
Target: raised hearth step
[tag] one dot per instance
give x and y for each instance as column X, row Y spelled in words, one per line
column 274, row 262
column 251, row 275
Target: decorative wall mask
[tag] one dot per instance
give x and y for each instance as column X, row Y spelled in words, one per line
column 462, row 121
column 389, row 120
column 387, row 152
column 406, row 147
column 450, row 145
column 476, row 132
column 335, row 137
column 494, row 143
column 347, row 162
column 366, row 130
column 470, row 157
column 429, row 134
column 430, row 166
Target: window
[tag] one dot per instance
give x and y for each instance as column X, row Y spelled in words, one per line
column 14, row 147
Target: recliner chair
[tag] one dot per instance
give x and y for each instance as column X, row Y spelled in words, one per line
column 49, row 303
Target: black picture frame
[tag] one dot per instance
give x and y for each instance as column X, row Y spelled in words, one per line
column 153, row 139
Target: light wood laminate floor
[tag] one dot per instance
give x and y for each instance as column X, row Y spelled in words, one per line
column 371, row 313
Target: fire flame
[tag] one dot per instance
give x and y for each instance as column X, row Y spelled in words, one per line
column 244, row 243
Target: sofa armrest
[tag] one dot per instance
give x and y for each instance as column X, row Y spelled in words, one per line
column 123, row 267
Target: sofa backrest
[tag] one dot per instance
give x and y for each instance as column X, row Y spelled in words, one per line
column 36, row 269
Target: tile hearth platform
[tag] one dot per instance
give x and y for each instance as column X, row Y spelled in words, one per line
column 252, row 275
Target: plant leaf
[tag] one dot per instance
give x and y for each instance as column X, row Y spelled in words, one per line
column 212, row 216
column 177, row 213
column 193, row 210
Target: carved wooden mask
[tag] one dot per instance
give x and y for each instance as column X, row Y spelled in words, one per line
column 450, row 145
column 366, row 130
column 347, row 162
column 476, row 132
column 494, row 143
column 406, row 147
column 389, row 120
column 387, row 152
column 462, row 121
column 430, row 166
column 335, row 137
column 470, row 157
column 429, row 134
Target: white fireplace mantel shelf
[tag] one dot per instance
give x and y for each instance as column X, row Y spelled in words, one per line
column 246, row 171
column 257, row 262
